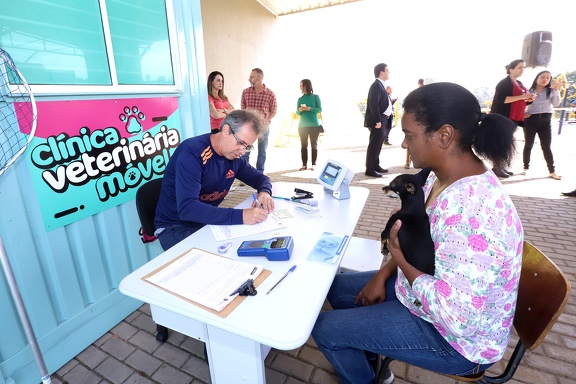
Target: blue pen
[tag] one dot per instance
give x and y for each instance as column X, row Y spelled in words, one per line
column 256, row 201
column 281, row 198
column 283, row 277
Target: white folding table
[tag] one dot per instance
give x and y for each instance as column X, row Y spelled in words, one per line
column 238, row 344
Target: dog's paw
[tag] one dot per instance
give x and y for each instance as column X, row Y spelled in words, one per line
column 385, row 251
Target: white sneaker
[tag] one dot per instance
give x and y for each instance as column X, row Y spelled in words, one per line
column 555, row 176
column 389, row 379
column 524, row 172
column 384, row 377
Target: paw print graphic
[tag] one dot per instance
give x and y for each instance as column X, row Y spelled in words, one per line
column 132, row 117
column 132, row 175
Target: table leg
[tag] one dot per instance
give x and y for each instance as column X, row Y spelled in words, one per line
column 235, row 359
column 179, row 323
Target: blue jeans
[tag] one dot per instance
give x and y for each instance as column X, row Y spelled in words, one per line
column 174, row 234
column 262, row 145
column 350, row 333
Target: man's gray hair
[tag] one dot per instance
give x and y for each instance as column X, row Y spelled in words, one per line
column 240, row 118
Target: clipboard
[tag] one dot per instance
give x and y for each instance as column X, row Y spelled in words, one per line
column 229, row 307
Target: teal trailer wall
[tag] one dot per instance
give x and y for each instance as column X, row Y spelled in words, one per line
column 69, row 277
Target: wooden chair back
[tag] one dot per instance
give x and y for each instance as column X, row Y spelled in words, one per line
column 542, row 296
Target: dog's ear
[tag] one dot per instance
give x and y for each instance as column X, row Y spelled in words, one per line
column 423, row 175
column 410, row 187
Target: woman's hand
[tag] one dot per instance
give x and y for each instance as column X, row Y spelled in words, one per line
column 558, row 84
column 375, row 290
column 408, row 269
column 394, row 243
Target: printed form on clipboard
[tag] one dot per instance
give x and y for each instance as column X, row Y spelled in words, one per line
column 204, row 278
column 226, row 232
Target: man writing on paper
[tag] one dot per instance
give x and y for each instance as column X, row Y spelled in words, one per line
column 200, row 174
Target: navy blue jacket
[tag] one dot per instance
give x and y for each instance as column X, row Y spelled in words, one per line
column 197, row 180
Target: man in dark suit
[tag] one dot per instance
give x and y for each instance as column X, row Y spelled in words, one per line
column 378, row 111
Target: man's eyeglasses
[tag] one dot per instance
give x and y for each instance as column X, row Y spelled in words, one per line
column 247, row 147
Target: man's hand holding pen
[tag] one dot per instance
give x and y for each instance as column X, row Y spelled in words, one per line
column 265, row 201
column 261, row 206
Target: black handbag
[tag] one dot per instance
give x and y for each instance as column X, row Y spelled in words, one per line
column 320, row 127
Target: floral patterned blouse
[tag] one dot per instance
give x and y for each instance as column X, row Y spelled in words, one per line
column 478, row 239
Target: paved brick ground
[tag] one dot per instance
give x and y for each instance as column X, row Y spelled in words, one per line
column 129, row 353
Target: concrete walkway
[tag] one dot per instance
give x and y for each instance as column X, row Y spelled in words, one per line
column 129, row 353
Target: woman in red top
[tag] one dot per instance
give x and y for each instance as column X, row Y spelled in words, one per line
column 510, row 100
column 217, row 100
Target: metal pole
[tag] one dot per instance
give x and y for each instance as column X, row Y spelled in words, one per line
column 563, row 110
column 25, row 320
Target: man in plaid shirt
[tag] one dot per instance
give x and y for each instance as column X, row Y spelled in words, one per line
column 260, row 98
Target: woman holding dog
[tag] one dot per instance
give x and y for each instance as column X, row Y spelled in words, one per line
column 459, row 320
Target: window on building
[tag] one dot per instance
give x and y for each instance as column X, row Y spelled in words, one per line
column 139, row 33
column 70, row 42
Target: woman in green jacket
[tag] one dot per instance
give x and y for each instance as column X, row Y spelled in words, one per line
column 308, row 108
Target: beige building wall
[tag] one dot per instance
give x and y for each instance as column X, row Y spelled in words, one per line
column 317, row 45
column 236, row 34
column 241, row 34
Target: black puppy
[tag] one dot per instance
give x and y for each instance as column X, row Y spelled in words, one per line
column 414, row 235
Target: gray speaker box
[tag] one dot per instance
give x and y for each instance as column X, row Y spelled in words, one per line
column 537, row 49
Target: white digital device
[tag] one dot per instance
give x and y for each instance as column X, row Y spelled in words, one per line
column 335, row 177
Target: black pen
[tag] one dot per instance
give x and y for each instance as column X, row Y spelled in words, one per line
column 283, row 277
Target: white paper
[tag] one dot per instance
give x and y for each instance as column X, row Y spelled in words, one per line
column 226, row 232
column 205, row 278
